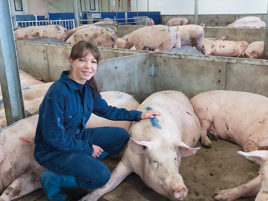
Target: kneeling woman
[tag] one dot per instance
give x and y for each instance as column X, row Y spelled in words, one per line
column 62, row 143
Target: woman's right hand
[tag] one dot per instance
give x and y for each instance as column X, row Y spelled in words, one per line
column 97, row 151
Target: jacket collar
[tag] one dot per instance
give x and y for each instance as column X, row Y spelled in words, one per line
column 64, row 78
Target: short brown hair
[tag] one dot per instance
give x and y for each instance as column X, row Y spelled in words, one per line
column 80, row 50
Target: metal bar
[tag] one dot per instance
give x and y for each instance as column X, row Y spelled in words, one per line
column 9, row 71
column 265, row 50
column 196, row 12
column 148, row 6
column 76, row 13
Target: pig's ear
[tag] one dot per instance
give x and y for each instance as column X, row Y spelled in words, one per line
column 139, row 147
column 257, row 156
column 183, row 150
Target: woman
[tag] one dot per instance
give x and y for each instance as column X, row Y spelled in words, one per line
column 62, row 143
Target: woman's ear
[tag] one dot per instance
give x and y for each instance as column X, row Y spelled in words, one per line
column 71, row 62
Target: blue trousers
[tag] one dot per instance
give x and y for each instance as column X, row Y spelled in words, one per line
column 90, row 172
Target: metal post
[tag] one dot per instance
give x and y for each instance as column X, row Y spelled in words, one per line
column 148, row 5
column 76, row 13
column 137, row 7
column 196, row 12
column 9, row 71
column 265, row 50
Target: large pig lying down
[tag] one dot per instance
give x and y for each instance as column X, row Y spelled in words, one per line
column 54, row 31
column 224, row 47
column 31, row 92
column 254, row 50
column 191, row 35
column 31, row 108
column 19, row 173
column 251, row 21
column 158, row 37
column 100, row 36
column 154, row 152
column 239, row 117
column 26, row 80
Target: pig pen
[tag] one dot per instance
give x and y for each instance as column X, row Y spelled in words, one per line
column 142, row 73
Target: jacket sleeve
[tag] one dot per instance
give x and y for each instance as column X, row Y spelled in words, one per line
column 53, row 128
column 102, row 109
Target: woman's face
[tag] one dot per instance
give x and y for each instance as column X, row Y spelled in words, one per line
column 83, row 68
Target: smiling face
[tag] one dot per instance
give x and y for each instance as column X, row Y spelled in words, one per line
column 83, row 68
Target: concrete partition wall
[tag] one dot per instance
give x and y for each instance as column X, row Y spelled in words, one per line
column 194, row 74
column 237, row 34
column 189, row 74
column 130, row 74
column 48, row 60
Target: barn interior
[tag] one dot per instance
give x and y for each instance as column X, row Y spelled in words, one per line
column 141, row 73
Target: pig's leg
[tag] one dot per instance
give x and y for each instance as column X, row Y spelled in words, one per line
column 120, row 172
column 205, row 141
column 250, row 189
column 26, row 183
column 249, row 146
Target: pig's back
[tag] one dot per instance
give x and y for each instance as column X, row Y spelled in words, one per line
column 235, row 115
column 177, row 117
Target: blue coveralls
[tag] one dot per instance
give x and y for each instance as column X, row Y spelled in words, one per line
column 62, row 143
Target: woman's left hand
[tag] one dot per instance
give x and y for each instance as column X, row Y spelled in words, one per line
column 149, row 114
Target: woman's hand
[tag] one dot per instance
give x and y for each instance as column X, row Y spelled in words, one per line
column 149, row 114
column 97, row 151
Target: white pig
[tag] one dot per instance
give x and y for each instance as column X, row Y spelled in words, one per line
column 55, row 31
column 31, row 108
column 26, row 80
column 154, row 152
column 191, row 35
column 31, row 92
column 158, row 37
column 239, row 117
column 228, row 48
column 19, row 172
column 258, row 188
column 250, row 21
column 254, row 50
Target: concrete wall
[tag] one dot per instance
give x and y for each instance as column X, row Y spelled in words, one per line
column 47, row 60
column 141, row 73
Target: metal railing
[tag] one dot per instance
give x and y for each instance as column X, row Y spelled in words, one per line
column 141, row 20
column 68, row 24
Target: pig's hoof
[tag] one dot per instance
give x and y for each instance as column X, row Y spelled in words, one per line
column 206, row 143
column 213, row 136
column 225, row 195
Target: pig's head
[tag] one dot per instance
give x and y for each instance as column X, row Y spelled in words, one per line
column 260, row 157
column 160, row 165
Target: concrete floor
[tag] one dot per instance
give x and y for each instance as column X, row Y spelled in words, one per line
column 205, row 173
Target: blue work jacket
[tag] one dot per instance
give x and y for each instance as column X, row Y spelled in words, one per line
column 63, row 115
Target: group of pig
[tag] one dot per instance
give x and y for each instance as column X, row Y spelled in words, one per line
column 157, row 145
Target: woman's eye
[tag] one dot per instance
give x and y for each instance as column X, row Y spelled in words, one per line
column 94, row 62
column 82, row 60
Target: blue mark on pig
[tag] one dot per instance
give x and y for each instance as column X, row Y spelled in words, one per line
column 154, row 121
column 25, row 88
column 1, row 102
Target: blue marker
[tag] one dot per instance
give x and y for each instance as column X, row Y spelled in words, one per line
column 154, row 121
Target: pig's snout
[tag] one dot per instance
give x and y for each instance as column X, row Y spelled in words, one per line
column 181, row 193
